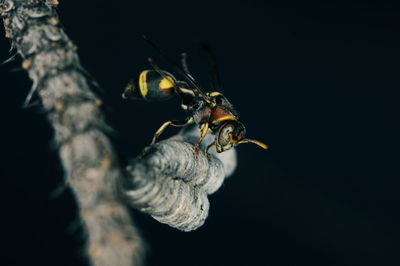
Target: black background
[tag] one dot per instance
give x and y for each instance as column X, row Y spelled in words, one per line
column 311, row 79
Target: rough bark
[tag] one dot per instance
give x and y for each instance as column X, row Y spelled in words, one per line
column 90, row 164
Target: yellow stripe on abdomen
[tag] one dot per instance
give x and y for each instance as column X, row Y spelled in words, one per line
column 143, row 84
column 166, row 85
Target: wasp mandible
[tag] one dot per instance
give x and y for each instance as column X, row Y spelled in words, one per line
column 211, row 111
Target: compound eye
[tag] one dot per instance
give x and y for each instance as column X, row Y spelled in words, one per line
column 239, row 134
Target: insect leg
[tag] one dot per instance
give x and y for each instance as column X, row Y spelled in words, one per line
column 204, row 130
column 208, row 147
column 176, row 123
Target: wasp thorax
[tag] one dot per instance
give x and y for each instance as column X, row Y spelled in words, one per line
column 229, row 134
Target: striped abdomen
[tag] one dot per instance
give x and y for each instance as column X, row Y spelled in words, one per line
column 151, row 86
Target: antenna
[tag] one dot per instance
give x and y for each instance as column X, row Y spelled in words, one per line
column 259, row 143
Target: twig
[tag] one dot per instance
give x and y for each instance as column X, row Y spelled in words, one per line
column 87, row 156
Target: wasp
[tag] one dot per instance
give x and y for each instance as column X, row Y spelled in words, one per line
column 211, row 111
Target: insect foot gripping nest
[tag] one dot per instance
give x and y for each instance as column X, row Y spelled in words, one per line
column 171, row 183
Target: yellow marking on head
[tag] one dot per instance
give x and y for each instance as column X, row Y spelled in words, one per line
column 223, row 148
column 184, row 106
column 166, row 84
column 231, row 139
column 219, row 148
column 224, row 118
column 214, row 93
column 187, row 91
column 143, row 84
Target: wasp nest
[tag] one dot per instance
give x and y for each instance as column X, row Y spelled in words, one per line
column 171, row 183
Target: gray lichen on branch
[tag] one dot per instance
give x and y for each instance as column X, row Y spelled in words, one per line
column 167, row 181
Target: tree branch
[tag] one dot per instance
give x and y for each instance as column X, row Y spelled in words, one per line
column 87, row 156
